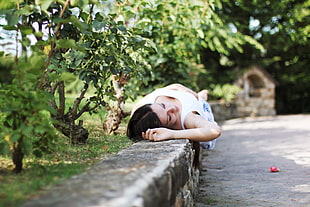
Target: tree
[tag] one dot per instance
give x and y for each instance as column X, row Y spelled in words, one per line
column 174, row 26
column 282, row 27
column 25, row 125
column 180, row 31
column 72, row 41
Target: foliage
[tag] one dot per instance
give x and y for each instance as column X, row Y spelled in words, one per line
column 26, row 125
column 180, row 30
column 175, row 28
column 282, row 27
column 109, row 50
column 288, row 56
column 5, row 69
column 227, row 91
column 82, row 41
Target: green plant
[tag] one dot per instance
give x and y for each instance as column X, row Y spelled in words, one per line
column 103, row 55
column 176, row 29
column 226, row 92
column 182, row 30
column 26, row 125
column 78, row 41
column 282, row 28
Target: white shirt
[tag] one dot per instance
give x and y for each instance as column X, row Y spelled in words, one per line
column 189, row 103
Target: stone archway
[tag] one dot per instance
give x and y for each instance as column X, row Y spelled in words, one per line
column 257, row 97
column 256, row 85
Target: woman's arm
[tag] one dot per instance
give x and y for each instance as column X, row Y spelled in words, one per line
column 197, row 129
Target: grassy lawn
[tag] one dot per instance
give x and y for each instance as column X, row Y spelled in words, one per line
column 41, row 174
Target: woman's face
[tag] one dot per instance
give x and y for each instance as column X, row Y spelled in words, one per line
column 168, row 114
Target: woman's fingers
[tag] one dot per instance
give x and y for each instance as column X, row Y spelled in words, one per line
column 157, row 134
column 150, row 134
column 146, row 134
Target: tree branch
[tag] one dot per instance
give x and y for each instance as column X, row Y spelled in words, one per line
column 53, row 45
column 62, row 98
column 79, row 99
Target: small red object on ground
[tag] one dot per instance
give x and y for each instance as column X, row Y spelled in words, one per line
column 274, row 169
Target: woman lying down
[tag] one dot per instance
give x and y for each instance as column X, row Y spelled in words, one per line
column 174, row 112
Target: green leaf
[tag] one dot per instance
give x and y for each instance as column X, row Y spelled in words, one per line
column 61, row 43
column 61, row 20
column 200, row 33
column 77, row 23
column 4, row 148
column 12, row 19
column 36, row 61
column 38, row 153
column 67, row 76
column 7, row 4
column 25, row 11
column 26, row 146
column 9, row 27
column 79, row 3
column 15, row 136
column 44, row 3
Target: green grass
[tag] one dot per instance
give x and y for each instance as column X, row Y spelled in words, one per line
column 67, row 160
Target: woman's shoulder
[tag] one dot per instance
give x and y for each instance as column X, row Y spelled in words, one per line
column 193, row 120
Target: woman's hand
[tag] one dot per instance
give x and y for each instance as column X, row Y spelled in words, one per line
column 158, row 134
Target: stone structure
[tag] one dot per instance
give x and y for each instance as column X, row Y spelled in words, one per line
column 149, row 174
column 256, row 98
column 223, row 110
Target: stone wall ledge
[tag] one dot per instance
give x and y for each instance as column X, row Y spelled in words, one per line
column 150, row 174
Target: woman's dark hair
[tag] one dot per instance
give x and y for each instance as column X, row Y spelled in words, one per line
column 142, row 119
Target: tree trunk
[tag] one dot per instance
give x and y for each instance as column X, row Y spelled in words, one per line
column 116, row 111
column 17, row 156
column 66, row 121
column 76, row 133
column 114, row 118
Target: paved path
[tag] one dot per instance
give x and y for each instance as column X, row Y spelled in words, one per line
column 236, row 173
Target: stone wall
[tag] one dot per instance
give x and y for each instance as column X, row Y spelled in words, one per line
column 148, row 174
column 230, row 110
column 256, row 97
column 224, row 110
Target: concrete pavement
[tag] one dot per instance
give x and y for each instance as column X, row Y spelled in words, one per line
column 236, row 173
